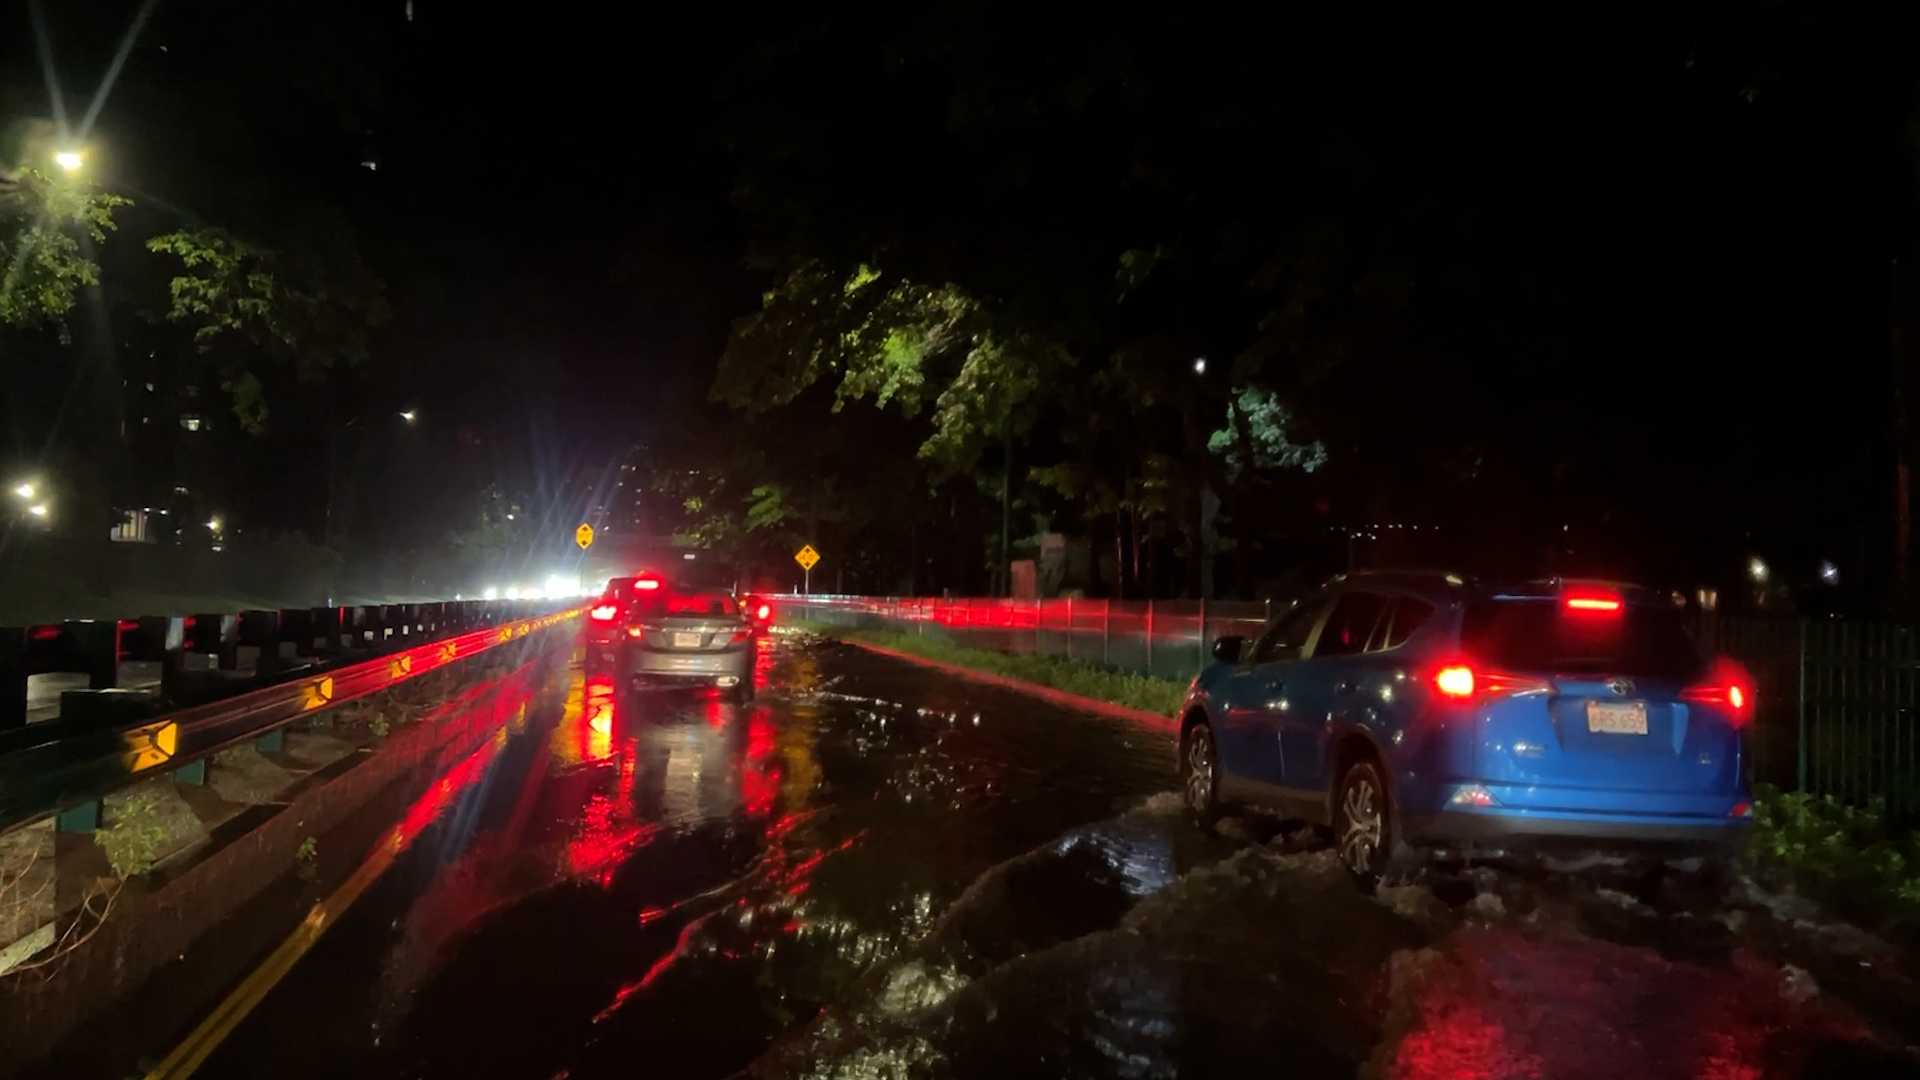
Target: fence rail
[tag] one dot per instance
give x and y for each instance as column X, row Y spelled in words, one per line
column 1837, row 705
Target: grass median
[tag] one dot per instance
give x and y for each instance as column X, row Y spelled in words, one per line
column 1121, row 688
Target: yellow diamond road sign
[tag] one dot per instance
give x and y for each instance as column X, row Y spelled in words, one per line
column 583, row 536
column 806, row 557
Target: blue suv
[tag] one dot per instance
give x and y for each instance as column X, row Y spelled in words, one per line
column 1419, row 710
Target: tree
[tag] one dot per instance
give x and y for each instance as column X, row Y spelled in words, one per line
column 309, row 308
column 47, row 229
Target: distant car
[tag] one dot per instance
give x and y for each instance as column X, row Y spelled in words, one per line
column 1419, row 710
column 646, row 628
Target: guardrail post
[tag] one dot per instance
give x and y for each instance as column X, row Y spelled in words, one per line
column 1106, row 631
column 13, row 677
column 1201, row 661
column 84, row 818
column 1149, row 638
column 1069, row 627
column 99, row 646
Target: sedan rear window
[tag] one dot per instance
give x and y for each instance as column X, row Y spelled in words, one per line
column 702, row 604
column 1535, row 634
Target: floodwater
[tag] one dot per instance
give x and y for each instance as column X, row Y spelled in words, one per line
column 666, row 881
column 876, row 871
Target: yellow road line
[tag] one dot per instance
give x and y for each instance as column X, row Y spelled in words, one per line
column 206, row 1038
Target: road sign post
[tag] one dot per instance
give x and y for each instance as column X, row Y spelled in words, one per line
column 808, row 559
column 583, row 536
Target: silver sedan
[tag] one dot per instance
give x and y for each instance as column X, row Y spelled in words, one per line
column 700, row 637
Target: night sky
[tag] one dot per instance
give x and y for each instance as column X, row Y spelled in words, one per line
column 1680, row 231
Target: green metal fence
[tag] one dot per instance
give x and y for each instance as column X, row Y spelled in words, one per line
column 1837, row 704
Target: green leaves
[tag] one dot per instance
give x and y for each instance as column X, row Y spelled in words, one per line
column 47, row 227
column 1256, row 437
column 310, row 313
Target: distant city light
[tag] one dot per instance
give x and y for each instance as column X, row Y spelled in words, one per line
column 38, row 510
column 490, row 593
column 513, row 592
column 69, row 160
column 213, row 524
column 1829, row 573
column 1199, row 365
column 1757, row 570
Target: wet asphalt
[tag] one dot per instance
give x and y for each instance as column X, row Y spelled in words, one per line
column 876, row 871
column 665, row 881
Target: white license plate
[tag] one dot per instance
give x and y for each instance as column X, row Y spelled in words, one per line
column 1617, row 717
column 684, row 640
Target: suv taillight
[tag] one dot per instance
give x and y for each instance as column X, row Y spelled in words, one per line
column 604, row 612
column 1727, row 687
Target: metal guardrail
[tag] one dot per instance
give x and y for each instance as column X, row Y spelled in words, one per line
column 266, row 642
column 1169, row 639
column 55, row 768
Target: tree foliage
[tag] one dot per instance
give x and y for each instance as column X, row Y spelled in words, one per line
column 308, row 310
column 47, row 229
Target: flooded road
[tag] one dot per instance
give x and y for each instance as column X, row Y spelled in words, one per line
column 877, row 871
column 668, row 881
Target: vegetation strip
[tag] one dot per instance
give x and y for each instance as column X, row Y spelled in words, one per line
column 1066, row 683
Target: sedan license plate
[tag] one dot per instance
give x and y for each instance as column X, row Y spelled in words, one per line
column 1617, row 717
column 684, row 640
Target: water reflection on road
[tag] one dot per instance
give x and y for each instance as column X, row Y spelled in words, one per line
column 673, row 878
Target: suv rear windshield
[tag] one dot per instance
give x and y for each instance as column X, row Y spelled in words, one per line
column 1534, row 634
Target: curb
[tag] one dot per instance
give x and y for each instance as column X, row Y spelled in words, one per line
column 1045, row 693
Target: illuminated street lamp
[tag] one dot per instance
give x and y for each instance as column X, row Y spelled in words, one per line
column 38, row 510
column 1829, row 573
column 70, row 161
column 1199, row 365
column 24, row 490
column 213, row 524
column 1757, row 570
column 408, row 415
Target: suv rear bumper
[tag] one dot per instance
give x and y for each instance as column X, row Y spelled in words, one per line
column 1497, row 829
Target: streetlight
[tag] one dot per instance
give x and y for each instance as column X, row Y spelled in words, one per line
column 409, row 415
column 24, row 490
column 213, row 524
column 1757, row 570
column 70, row 161
column 1829, row 573
column 1199, row 365
column 38, row 510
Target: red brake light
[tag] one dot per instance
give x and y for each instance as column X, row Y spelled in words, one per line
column 1454, row 680
column 605, row 613
column 763, row 612
column 647, row 584
column 1592, row 601
column 1729, row 687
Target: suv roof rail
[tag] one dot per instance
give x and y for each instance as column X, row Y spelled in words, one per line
column 1420, row 575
